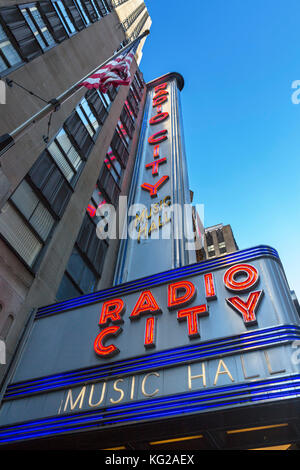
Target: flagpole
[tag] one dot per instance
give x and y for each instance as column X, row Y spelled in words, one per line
column 8, row 140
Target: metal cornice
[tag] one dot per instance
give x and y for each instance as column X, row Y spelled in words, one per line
column 167, row 77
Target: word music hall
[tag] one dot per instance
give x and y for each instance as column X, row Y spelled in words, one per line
column 175, row 354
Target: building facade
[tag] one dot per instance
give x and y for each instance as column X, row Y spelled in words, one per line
column 219, row 240
column 170, row 353
column 52, row 184
column 140, row 341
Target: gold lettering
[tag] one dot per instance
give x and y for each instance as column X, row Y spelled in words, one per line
column 144, row 230
column 144, row 382
column 150, row 213
column 191, row 377
column 92, row 393
column 225, row 371
column 78, row 399
column 166, row 218
column 167, row 200
column 244, row 370
column 272, row 372
column 139, row 218
column 118, row 390
column 152, row 227
column 132, row 388
column 155, row 208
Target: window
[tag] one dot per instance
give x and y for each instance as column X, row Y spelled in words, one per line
column 139, row 79
column 111, row 93
column 103, row 7
column 139, row 26
column 116, row 3
column 30, row 29
column 8, row 55
column 77, row 131
column 20, row 33
column 64, row 16
column 87, row 117
column 86, row 261
column 83, row 13
column 65, row 155
column 134, row 15
column 127, row 123
column 220, row 236
column 98, row 106
column 26, row 223
column 89, row 11
column 28, row 203
column 97, row 12
column 67, row 289
column 210, row 244
column 97, row 200
column 136, row 89
column 222, row 247
column 81, row 274
column 209, row 239
column 132, row 103
column 119, row 145
column 108, row 185
column 74, row 13
column 52, row 18
column 47, row 178
column 38, row 27
column 78, row 279
column 7, row 326
column 211, row 250
column 114, row 166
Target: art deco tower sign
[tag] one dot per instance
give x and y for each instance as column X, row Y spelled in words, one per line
column 161, row 216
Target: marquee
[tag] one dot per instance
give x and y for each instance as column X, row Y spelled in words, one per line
column 208, row 336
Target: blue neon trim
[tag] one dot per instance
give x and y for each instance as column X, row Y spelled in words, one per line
column 290, row 380
column 268, row 393
column 135, row 369
column 150, row 406
column 144, row 359
column 161, row 277
column 157, row 279
column 169, row 357
column 174, row 352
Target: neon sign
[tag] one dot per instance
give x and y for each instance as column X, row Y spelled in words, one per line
column 160, row 96
column 156, row 209
column 239, row 278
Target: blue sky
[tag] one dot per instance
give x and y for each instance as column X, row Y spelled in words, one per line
column 242, row 130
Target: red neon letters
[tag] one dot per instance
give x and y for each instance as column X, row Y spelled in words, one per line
column 158, row 137
column 153, row 188
column 106, row 351
column 191, row 314
column 162, row 86
column 187, row 290
column 158, row 118
column 247, row 309
column 156, row 151
column 180, row 297
column 149, row 333
column 232, row 273
column 160, row 97
column 209, row 286
column 112, row 310
column 146, row 304
column 154, row 165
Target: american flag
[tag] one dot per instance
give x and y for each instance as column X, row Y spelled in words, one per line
column 116, row 72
